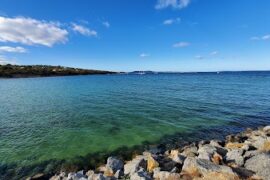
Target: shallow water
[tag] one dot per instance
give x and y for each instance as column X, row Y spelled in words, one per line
column 56, row 118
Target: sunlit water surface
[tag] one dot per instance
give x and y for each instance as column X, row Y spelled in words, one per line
column 60, row 118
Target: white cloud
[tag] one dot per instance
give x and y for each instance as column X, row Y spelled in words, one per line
column 214, row 53
column 171, row 21
column 199, row 57
column 83, row 30
column 255, row 38
column 181, row 44
column 31, row 31
column 265, row 37
column 143, row 55
column 4, row 60
column 106, row 24
column 176, row 4
column 9, row 49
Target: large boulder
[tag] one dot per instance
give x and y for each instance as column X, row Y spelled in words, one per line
column 76, row 176
column 177, row 157
column 141, row 174
column 206, row 152
column 266, row 130
column 165, row 175
column 92, row 176
column 190, row 151
column 235, row 156
column 249, row 154
column 195, row 168
column 134, row 165
column 151, row 164
column 114, row 164
column 260, row 164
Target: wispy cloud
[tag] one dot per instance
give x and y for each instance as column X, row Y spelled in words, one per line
column 263, row 38
column 31, row 31
column 9, row 49
column 199, row 57
column 176, row 4
column 214, row 53
column 106, row 24
column 266, row 37
column 83, row 30
column 181, row 44
column 4, row 60
column 144, row 55
column 171, row 21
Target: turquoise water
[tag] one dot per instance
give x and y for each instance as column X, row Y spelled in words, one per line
column 45, row 120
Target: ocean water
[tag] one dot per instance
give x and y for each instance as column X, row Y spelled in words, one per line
column 46, row 122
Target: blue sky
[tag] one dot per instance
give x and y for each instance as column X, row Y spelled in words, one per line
column 127, row 35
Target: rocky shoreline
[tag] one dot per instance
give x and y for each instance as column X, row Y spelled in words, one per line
column 242, row 156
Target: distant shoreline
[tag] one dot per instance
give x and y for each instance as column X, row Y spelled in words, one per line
column 33, row 71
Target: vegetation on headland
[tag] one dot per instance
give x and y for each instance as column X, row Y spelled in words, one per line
column 18, row 71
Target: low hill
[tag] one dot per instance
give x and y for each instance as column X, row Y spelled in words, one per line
column 17, row 71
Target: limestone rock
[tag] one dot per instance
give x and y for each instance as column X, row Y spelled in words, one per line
column 260, row 164
column 164, row 175
column 235, row 156
column 151, row 164
column 176, row 157
column 76, row 176
column 118, row 174
column 134, row 165
column 190, row 151
column 266, row 130
column 249, row 154
column 141, row 174
column 217, row 159
column 234, row 145
column 93, row 176
column 204, row 168
column 206, row 152
column 215, row 143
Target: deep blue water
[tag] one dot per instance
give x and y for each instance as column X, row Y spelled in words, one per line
column 61, row 118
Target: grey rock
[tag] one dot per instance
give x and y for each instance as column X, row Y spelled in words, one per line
column 76, row 176
column 249, row 154
column 141, row 174
column 179, row 159
column 175, row 170
column 235, row 156
column 243, row 173
column 89, row 173
column 163, row 175
column 206, row 152
column 134, row 165
column 260, row 164
column 190, row 151
column 118, row 174
column 93, row 176
column 259, row 141
column 114, row 164
column 168, row 166
column 215, row 143
column 266, row 130
column 204, row 166
column 203, row 142
column 38, row 176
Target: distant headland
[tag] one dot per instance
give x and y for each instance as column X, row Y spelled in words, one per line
column 24, row 71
